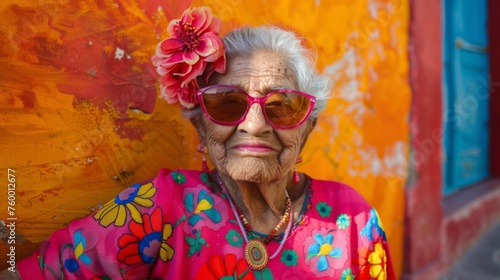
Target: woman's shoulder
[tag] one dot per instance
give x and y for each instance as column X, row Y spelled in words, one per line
column 339, row 195
column 180, row 177
column 336, row 188
column 171, row 184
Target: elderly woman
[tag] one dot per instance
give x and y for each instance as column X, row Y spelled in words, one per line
column 253, row 216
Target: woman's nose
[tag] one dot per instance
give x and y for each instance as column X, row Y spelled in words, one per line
column 255, row 123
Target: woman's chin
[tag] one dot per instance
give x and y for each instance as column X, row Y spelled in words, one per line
column 254, row 170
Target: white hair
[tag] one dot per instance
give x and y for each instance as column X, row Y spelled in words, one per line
column 247, row 40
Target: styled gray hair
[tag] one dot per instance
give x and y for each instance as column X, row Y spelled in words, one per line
column 247, row 40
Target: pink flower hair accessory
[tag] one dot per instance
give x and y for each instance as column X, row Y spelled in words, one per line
column 193, row 50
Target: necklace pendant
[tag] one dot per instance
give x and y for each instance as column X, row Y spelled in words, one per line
column 256, row 254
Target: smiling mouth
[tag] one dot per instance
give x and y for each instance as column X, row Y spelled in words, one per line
column 253, row 148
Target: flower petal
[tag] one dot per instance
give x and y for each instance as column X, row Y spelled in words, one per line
column 189, row 202
column 121, row 216
column 217, row 266
column 205, row 273
column 156, row 220
column 329, row 239
column 84, row 258
column 169, row 95
column 215, row 25
column 244, row 271
column 171, row 45
column 144, row 189
column 166, row 252
column 172, row 26
column 375, row 270
column 203, row 205
column 194, row 71
column 205, row 47
column 172, row 60
column 193, row 220
column 230, row 261
column 379, row 249
column 319, row 238
column 201, row 18
column 109, row 217
column 216, row 44
column 146, row 223
column 136, row 229
column 136, row 215
column 214, row 215
column 190, row 57
column 128, row 251
column 313, row 249
column 322, row 263
column 78, row 250
column 105, row 209
column 145, row 202
column 167, row 231
column 374, row 258
column 335, row 253
column 126, row 238
column 220, row 65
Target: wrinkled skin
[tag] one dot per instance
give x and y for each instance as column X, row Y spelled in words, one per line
column 257, row 178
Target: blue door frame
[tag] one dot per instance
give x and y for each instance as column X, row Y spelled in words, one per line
column 466, row 93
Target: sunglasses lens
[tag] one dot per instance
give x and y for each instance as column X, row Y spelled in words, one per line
column 225, row 104
column 286, row 109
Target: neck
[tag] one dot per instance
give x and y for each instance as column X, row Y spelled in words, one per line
column 264, row 204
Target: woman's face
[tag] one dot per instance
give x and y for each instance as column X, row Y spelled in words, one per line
column 252, row 150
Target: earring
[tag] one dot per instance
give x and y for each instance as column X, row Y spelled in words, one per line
column 204, row 150
column 295, row 175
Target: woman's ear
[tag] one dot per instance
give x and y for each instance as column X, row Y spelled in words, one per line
column 200, row 127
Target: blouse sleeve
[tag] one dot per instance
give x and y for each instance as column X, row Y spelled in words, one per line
column 373, row 255
column 121, row 239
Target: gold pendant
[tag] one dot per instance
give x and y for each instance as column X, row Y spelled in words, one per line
column 256, row 254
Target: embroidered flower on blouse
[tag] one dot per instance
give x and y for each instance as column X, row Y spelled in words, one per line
column 326, row 251
column 75, row 254
column 115, row 211
column 80, row 244
column 234, row 238
column 204, row 204
column 226, row 268
column 373, row 264
column 205, row 178
column 347, row 274
column 373, row 223
column 195, row 243
column 323, row 248
column 179, row 178
column 192, row 50
column 146, row 240
column 264, row 274
column 323, row 209
column 289, row 257
column 343, row 221
column 72, row 266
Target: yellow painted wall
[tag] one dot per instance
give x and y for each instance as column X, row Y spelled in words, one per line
column 77, row 122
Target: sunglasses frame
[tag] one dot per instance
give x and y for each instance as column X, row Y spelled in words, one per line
column 252, row 100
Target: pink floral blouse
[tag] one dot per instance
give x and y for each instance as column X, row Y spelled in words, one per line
column 176, row 227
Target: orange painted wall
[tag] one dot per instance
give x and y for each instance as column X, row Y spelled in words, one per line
column 79, row 119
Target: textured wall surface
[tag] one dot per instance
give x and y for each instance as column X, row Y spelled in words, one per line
column 79, row 119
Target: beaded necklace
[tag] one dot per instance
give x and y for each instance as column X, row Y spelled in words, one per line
column 255, row 252
column 284, row 219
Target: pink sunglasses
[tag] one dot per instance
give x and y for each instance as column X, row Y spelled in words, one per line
column 229, row 105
